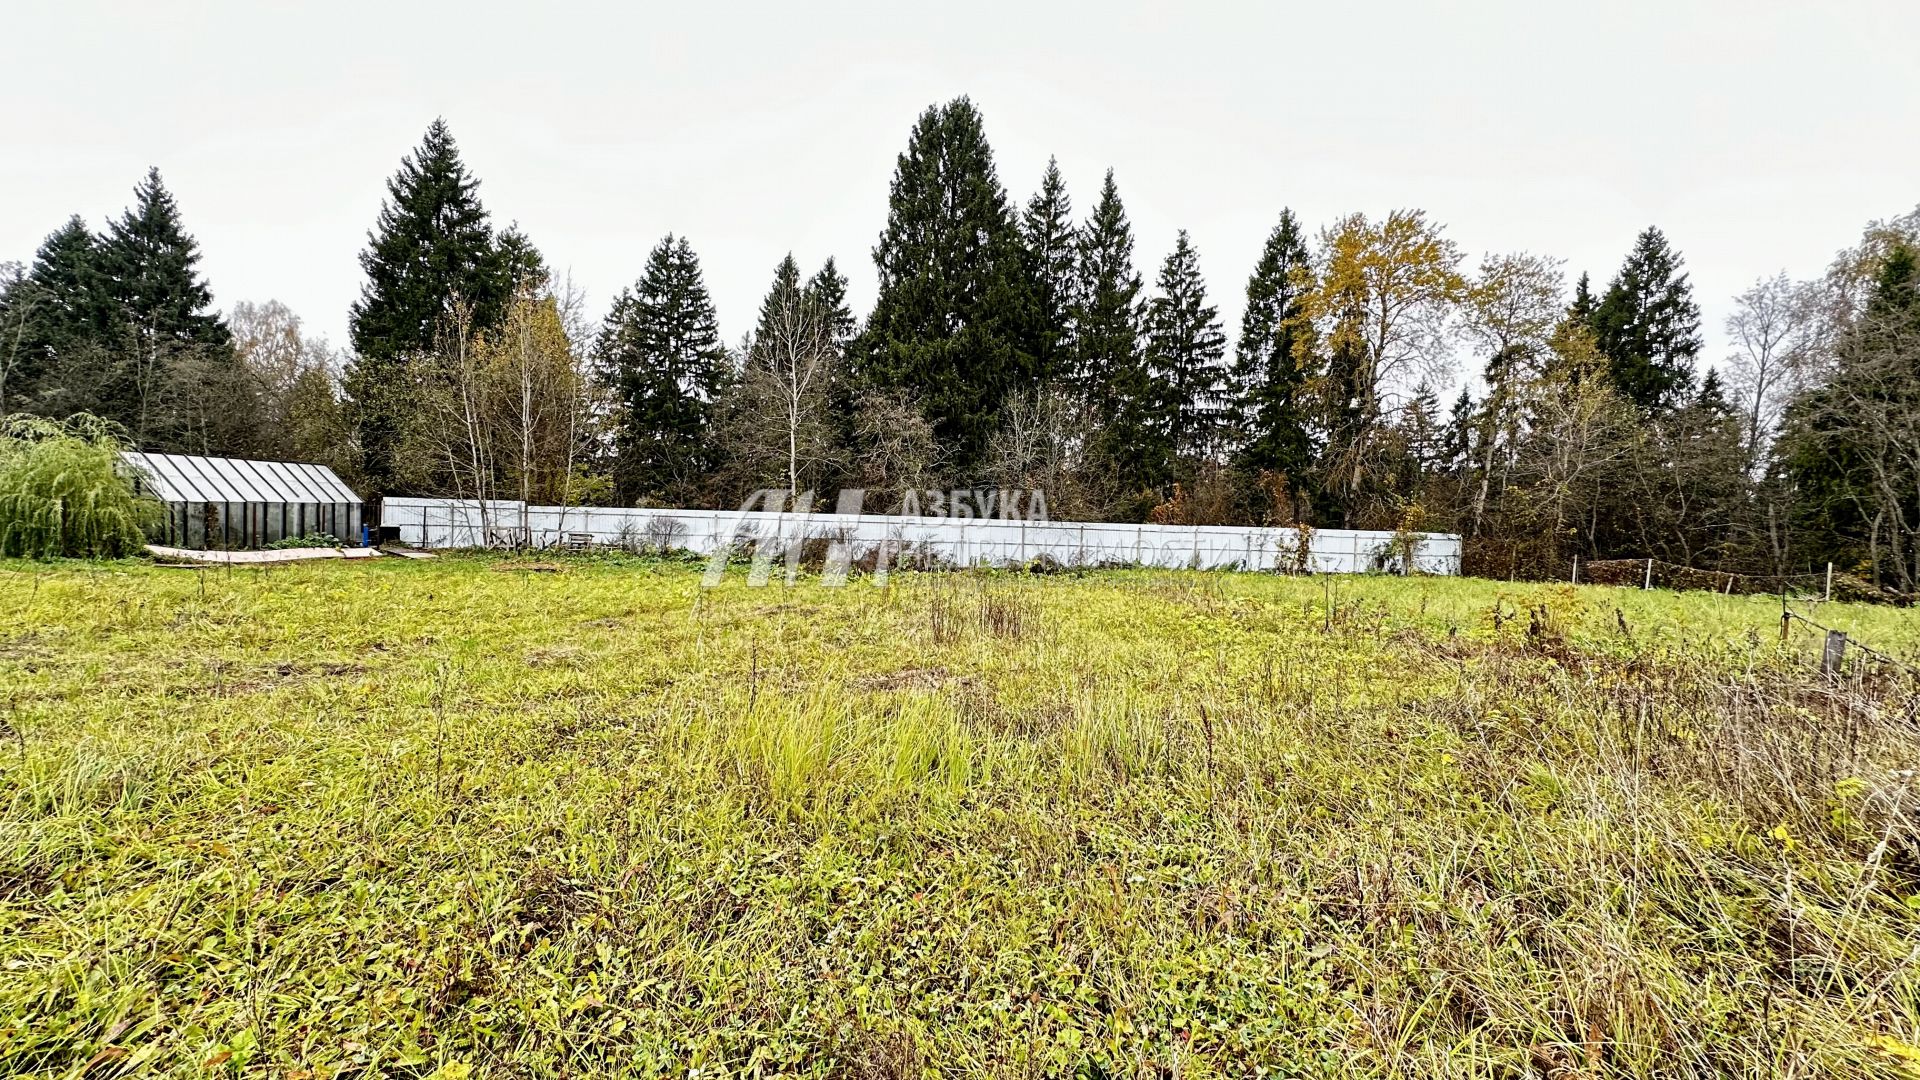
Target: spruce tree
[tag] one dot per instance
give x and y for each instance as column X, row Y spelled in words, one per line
column 1581, row 310
column 1648, row 327
column 1847, row 444
column 172, row 375
column 1423, row 437
column 432, row 245
column 121, row 325
column 1107, row 366
column 660, row 351
column 828, row 289
column 1456, row 441
column 1893, row 307
column 1186, row 350
column 788, row 419
column 1051, row 239
column 148, row 263
column 956, row 322
column 525, row 267
column 1269, row 372
column 785, row 289
column 59, row 306
column 431, row 248
column 16, row 307
column 1346, row 395
column 1713, row 395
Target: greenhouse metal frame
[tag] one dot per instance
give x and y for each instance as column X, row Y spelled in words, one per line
column 211, row 503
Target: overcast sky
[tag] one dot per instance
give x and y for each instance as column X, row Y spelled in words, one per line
column 1759, row 135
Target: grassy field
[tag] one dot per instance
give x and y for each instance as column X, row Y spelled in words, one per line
column 472, row 818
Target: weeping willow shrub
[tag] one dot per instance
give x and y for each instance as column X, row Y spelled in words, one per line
column 62, row 491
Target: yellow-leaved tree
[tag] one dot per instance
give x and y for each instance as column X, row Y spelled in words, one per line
column 1382, row 297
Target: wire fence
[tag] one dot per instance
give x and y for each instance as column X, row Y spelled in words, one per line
column 1839, row 644
column 1658, row 574
column 1837, row 647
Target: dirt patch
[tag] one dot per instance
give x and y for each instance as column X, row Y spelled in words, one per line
column 528, row 568
column 330, row 671
column 237, row 679
column 927, row 678
column 559, row 656
column 23, row 649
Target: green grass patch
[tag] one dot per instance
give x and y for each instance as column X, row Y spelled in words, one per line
column 472, row 817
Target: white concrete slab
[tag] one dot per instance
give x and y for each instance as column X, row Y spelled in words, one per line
column 258, row 558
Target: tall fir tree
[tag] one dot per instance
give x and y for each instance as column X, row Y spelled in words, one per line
column 432, row 247
column 956, row 322
column 1343, row 476
column 61, row 305
column 432, row 244
column 149, row 264
column 1456, row 440
column 16, row 307
column 661, row 355
column 1423, row 436
column 1845, row 445
column 1051, row 239
column 1185, row 354
column 1272, row 363
column 1581, row 309
column 173, row 373
column 526, row 268
column 1648, row 327
column 1106, row 311
column 786, row 288
column 1893, row 307
column 828, row 288
column 1712, row 396
column 121, row 325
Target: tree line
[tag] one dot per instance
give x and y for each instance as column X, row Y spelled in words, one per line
column 1018, row 345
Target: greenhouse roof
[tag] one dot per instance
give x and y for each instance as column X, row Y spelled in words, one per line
column 189, row 478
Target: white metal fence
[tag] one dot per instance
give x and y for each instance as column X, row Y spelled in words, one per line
column 455, row 523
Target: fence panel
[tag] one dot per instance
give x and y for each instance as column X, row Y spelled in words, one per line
column 458, row 523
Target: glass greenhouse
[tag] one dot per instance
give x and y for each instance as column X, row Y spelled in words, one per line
column 229, row 503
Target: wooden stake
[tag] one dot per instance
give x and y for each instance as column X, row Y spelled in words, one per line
column 1834, row 654
column 1649, row 583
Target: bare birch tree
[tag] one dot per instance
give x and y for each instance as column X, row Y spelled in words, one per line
column 1774, row 331
column 777, row 419
column 452, row 399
